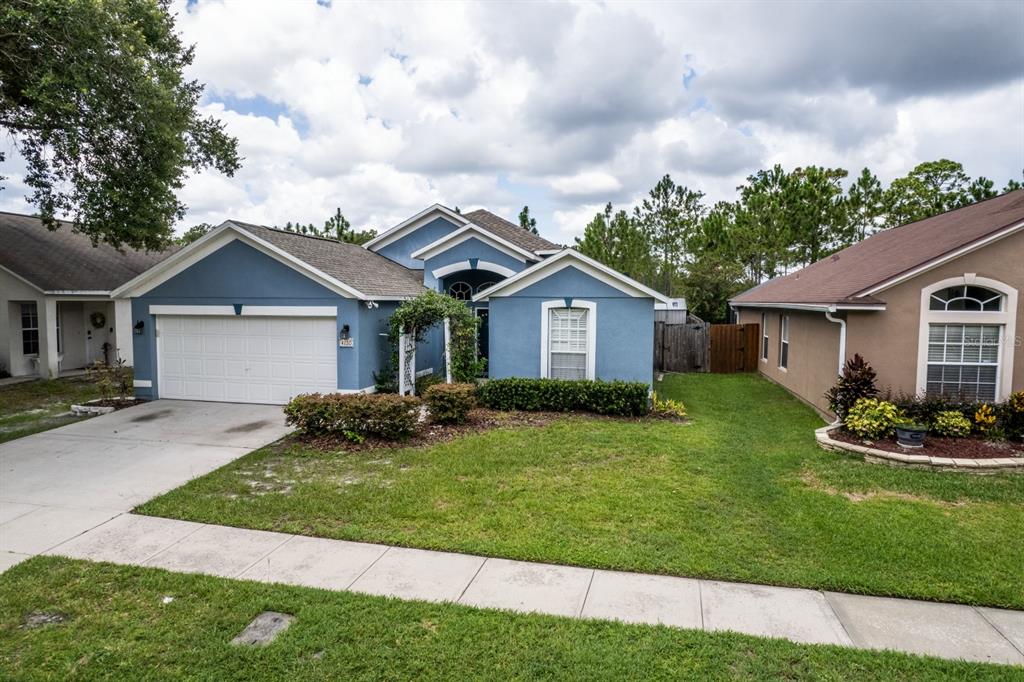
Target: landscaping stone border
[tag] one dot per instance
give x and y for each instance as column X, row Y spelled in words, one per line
column 822, row 435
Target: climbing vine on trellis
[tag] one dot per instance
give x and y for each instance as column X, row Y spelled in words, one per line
column 419, row 314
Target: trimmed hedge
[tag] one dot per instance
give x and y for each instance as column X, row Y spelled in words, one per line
column 624, row 398
column 391, row 417
column 450, row 403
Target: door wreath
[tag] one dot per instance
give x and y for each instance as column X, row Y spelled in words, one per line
column 98, row 320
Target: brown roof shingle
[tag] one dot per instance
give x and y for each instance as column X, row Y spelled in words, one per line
column 371, row 274
column 888, row 254
column 64, row 260
column 509, row 231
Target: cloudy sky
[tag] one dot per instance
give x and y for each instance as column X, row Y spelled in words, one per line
column 385, row 108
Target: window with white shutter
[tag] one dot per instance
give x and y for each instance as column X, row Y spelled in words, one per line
column 567, row 343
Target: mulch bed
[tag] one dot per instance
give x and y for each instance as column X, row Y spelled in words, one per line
column 480, row 419
column 973, row 447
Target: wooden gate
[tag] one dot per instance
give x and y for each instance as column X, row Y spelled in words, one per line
column 734, row 347
column 681, row 347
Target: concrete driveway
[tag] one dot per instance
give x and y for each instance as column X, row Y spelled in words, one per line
column 60, row 483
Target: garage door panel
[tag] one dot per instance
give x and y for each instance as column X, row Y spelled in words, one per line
column 246, row 359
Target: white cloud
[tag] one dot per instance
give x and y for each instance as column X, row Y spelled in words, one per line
column 384, row 108
column 587, row 183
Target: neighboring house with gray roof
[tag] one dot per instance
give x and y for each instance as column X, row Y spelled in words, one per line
column 56, row 311
column 254, row 314
column 933, row 305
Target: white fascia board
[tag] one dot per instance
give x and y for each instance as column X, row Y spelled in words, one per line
column 130, row 287
column 941, row 260
column 547, row 252
column 564, row 259
column 77, row 292
column 813, row 307
column 481, row 265
column 412, row 224
column 211, row 242
column 19, row 277
column 468, row 232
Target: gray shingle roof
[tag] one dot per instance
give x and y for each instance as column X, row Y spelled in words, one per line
column 888, row 254
column 509, row 231
column 357, row 267
column 64, row 260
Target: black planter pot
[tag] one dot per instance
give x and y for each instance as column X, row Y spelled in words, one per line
column 911, row 436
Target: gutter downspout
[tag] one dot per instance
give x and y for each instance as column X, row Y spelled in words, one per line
column 842, row 336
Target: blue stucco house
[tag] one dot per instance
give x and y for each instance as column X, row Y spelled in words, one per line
column 253, row 314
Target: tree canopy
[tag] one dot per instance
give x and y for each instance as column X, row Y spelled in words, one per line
column 526, row 221
column 94, row 97
column 337, row 227
column 781, row 220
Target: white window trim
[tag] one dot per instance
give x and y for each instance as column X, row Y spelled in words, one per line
column 545, row 315
column 37, row 329
column 764, row 338
column 1007, row 318
column 784, row 341
column 486, row 265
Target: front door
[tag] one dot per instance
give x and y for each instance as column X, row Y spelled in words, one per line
column 481, row 334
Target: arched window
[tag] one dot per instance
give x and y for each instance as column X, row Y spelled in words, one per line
column 965, row 324
column 484, row 286
column 460, row 290
column 967, row 298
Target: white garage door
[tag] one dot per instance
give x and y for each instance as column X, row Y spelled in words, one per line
column 245, row 359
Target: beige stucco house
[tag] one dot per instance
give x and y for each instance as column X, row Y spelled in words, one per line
column 56, row 312
column 934, row 306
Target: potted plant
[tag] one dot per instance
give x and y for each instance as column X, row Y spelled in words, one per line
column 910, row 434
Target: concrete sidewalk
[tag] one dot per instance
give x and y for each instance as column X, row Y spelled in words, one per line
column 951, row 631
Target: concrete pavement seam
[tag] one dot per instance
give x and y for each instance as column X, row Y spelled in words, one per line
column 997, row 629
column 373, row 563
column 265, row 554
column 832, row 608
column 471, row 580
column 583, row 604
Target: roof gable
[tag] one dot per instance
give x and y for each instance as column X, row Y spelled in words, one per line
column 564, row 259
column 412, row 224
column 510, row 232
column 859, row 272
column 467, row 233
column 346, row 269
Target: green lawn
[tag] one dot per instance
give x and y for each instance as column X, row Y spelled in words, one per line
column 741, row 493
column 118, row 627
column 34, row 406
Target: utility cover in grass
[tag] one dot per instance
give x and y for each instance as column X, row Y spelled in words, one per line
column 263, row 629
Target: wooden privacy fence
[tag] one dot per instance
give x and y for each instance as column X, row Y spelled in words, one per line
column 701, row 347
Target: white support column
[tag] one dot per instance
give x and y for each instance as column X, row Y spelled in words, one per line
column 123, row 330
column 447, row 350
column 49, row 363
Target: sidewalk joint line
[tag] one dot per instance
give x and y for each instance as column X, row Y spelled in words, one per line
column 997, row 629
column 586, row 595
column 266, row 554
column 832, row 608
column 387, row 548
column 50, row 549
column 179, row 540
column 176, row 542
column 471, row 580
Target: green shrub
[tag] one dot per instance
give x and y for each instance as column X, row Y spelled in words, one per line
column 951, row 423
column 450, row 403
column 872, row 419
column 354, row 415
column 622, row 398
column 857, row 381
column 426, row 381
column 667, row 406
